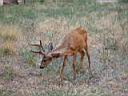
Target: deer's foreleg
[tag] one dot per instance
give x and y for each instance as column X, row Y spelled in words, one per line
column 88, row 60
column 64, row 63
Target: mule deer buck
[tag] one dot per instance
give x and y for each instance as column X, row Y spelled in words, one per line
column 73, row 43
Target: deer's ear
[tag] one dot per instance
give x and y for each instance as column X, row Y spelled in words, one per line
column 56, row 55
column 50, row 46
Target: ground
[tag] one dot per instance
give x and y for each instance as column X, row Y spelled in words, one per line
column 107, row 27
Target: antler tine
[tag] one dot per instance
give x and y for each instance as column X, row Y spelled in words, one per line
column 35, row 45
column 39, row 52
column 41, row 46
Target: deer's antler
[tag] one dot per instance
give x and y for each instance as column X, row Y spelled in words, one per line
column 39, row 52
column 39, row 45
column 42, row 51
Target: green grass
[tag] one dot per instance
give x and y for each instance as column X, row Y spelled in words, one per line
column 24, row 15
column 28, row 57
column 57, row 93
column 8, row 73
column 5, row 92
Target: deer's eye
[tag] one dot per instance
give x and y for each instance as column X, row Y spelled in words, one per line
column 45, row 60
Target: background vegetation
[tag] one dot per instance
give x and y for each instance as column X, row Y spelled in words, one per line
column 49, row 20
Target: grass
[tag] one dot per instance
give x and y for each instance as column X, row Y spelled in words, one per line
column 106, row 25
column 61, row 93
column 28, row 57
column 9, row 33
column 9, row 36
column 4, row 92
column 8, row 73
column 8, row 48
column 56, row 93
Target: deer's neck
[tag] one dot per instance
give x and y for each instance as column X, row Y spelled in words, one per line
column 59, row 50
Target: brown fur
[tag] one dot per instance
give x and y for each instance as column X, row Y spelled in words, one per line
column 74, row 42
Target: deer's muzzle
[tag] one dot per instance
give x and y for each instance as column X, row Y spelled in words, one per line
column 42, row 67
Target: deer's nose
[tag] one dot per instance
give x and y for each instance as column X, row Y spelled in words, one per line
column 41, row 67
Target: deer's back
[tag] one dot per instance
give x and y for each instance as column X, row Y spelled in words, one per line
column 76, row 39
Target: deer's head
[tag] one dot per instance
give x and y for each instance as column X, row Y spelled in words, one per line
column 46, row 56
column 45, row 61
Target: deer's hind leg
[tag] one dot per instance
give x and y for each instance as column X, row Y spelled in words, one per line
column 62, row 73
column 81, row 67
column 74, row 67
column 82, row 53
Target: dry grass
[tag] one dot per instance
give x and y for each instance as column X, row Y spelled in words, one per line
column 9, row 32
column 8, row 73
column 8, row 48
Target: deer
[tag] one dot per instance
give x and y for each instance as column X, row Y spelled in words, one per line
column 74, row 43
